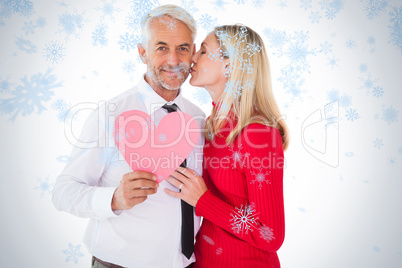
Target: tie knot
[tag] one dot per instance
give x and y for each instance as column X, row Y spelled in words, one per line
column 170, row 107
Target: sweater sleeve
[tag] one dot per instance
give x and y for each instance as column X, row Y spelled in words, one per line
column 260, row 221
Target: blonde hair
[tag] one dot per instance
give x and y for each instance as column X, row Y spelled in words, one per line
column 173, row 11
column 248, row 92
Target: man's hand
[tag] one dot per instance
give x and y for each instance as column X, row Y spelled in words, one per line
column 134, row 189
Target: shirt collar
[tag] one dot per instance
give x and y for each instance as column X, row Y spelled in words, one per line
column 153, row 101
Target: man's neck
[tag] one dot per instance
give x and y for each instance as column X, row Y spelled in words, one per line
column 166, row 94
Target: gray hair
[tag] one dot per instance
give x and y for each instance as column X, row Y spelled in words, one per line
column 173, row 11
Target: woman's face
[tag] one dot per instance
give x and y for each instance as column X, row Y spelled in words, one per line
column 207, row 70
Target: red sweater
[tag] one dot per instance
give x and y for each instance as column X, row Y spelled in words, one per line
column 243, row 212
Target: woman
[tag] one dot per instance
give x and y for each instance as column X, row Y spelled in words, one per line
column 241, row 201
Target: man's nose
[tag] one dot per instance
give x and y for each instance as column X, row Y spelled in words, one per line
column 173, row 58
column 194, row 58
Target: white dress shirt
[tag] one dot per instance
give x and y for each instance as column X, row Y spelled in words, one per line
column 149, row 234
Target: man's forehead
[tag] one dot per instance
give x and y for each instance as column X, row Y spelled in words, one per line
column 159, row 32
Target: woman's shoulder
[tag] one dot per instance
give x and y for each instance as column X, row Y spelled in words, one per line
column 258, row 133
column 260, row 128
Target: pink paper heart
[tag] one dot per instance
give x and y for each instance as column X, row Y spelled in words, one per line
column 159, row 150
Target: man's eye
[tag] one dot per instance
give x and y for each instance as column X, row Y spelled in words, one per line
column 183, row 49
column 161, row 48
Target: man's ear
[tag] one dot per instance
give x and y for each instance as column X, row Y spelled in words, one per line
column 142, row 53
column 194, row 49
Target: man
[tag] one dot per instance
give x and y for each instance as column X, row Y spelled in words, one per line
column 133, row 222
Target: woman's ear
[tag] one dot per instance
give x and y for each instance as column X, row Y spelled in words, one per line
column 226, row 68
column 142, row 53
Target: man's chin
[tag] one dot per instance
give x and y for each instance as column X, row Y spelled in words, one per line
column 172, row 86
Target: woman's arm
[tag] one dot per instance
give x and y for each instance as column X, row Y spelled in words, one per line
column 259, row 221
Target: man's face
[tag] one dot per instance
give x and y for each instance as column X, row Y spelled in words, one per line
column 168, row 53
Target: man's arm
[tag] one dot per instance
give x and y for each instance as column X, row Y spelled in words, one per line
column 79, row 190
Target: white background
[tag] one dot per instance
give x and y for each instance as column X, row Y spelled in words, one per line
column 344, row 215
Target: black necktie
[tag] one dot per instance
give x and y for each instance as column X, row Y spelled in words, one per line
column 187, row 217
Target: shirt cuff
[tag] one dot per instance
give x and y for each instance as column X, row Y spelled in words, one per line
column 102, row 203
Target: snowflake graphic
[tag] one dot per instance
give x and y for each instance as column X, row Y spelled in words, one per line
column 378, row 91
column 63, row 158
column 31, row 94
column 138, row 10
column 330, row 14
column 390, row 115
column 207, row 22
column 363, row 68
column 44, row 186
column 5, row 86
column 303, row 210
column 129, row 67
column 129, row 41
column 292, row 81
column 162, row 137
column 54, row 52
column 98, row 35
column 171, row 24
column 315, row 17
column 276, row 38
column 351, row 114
column 378, row 143
column 63, row 108
column 371, row 40
column 333, row 62
column 296, row 48
column 202, row 96
column 237, row 157
column 325, row 48
column 395, row 27
column 21, row 7
column 70, row 23
column 243, row 219
column 108, row 156
column 208, row 240
column 260, row 177
column 282, row 4
column 306, row 4
column 108, row 9
column 258, row 3
column 350, row 43
column 73, row 253
column 333, row 95
column 219, row 251
column 345, row 101
column 392, row 161
column 234, row 51
column 267, row 233
column 41, row 22
column 368, row 83
column 374, row 8
column 25, row 45
column 29, row 28
column 219, row 4
column 233, row 88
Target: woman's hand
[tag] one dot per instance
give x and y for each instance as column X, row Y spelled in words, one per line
column 190, row 183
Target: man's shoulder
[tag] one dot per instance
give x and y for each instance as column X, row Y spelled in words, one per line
column 124, row 96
